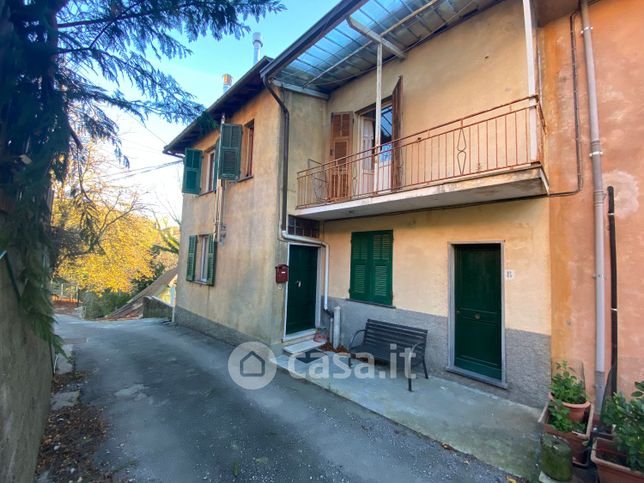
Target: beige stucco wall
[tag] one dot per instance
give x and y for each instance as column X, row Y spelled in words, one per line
column 421, row 256
column 474, row 66
column 245, row 296
column 307, row 138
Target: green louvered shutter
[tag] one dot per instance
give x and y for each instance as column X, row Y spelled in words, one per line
column 230, row 144
column 212, row 260
column 381, row 267
column 192, row 171
column 192, row 256
column 359, row 285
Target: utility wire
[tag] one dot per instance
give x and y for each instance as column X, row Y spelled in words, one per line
column 130, row 174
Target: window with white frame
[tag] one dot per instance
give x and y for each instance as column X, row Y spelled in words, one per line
column 202, row 257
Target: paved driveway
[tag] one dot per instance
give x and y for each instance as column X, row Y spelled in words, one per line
column 175, row 415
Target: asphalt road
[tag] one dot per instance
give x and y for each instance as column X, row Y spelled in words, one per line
column 175, row 415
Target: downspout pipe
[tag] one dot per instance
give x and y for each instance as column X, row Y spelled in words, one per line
column 285, row 149
column 283, row 232
column 598, row 201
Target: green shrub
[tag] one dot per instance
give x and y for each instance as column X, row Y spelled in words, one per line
column 566, row 386
column 628, row 419
column 99, row 305
column 559, row 418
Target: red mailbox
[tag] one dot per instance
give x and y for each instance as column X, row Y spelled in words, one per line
column 281, row 273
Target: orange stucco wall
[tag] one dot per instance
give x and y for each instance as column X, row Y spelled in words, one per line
column 618, row 39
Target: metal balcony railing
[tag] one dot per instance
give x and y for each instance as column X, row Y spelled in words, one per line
column 503, row 138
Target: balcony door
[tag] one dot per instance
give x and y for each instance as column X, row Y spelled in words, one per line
column 382, row 170
column 339, row 172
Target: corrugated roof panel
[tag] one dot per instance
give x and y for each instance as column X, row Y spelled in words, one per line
column 343, row 53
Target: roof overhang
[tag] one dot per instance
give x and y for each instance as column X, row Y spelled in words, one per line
column 247, row 87
column 343, row 44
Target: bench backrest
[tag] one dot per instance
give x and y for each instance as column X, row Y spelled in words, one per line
column 377, row 332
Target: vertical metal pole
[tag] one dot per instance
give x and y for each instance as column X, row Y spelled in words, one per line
column 528, row 25
column 598, row 200
column 613, row 288
column 377, row 134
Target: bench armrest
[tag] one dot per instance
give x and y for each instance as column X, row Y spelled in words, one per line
column 352, row 345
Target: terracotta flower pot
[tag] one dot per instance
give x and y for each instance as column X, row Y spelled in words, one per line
column 578, row 441
column 577, row 411
column 609, row 471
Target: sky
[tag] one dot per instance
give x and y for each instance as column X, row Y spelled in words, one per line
column 201, row 75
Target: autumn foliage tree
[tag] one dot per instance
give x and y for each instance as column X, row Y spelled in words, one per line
column 56, row 56
column 103, row 236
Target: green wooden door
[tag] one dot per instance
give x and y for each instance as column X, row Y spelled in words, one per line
column 478, row 330
column 302, row 288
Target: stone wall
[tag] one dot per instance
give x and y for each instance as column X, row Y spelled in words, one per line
column 25, row 381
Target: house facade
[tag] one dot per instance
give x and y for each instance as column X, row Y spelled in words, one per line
column 411, row 165
column 619, row 67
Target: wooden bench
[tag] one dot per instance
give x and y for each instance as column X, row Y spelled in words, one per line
column 378, row 338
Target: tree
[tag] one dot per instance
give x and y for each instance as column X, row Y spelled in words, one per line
column 87, row 205
column 51, row 52
column 127, row 253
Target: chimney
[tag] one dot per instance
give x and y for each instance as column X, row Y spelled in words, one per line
column 257, row 47
column 228, row 81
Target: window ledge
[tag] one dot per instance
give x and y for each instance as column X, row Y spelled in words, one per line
column 245, row 179
column 370, row 303
column 206, row 193
column 199, row 282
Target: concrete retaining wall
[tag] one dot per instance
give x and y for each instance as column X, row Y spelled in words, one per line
column 25, row 382
column 156, row 308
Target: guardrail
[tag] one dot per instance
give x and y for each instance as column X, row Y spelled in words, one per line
column 502, row 138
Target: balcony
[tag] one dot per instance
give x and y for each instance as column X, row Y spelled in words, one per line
column 487, row 156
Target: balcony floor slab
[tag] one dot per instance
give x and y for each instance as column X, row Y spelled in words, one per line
column 506, row 185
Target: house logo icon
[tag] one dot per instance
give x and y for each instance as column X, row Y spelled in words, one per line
column 252, row 365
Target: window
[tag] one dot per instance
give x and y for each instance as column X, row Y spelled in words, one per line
column 210, row 172
column 202, row 250
column 247, row 154
column 303, row 227
column 371, row 267
column 369, row 138
column 202, row 258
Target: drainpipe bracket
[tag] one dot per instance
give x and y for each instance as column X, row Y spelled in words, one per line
column 583, row 31
column 596, row 153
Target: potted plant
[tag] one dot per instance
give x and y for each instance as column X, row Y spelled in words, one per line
column 556, row 421
column 622, row 459
column 568, row 388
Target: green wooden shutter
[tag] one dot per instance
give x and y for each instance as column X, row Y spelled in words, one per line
column 192, row 171
column 212, row 260
column 192, row 256
column 381, row 267
column 359, row 285
column 230, row 147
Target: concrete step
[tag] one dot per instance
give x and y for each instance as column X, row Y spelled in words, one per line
column 302, row 347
